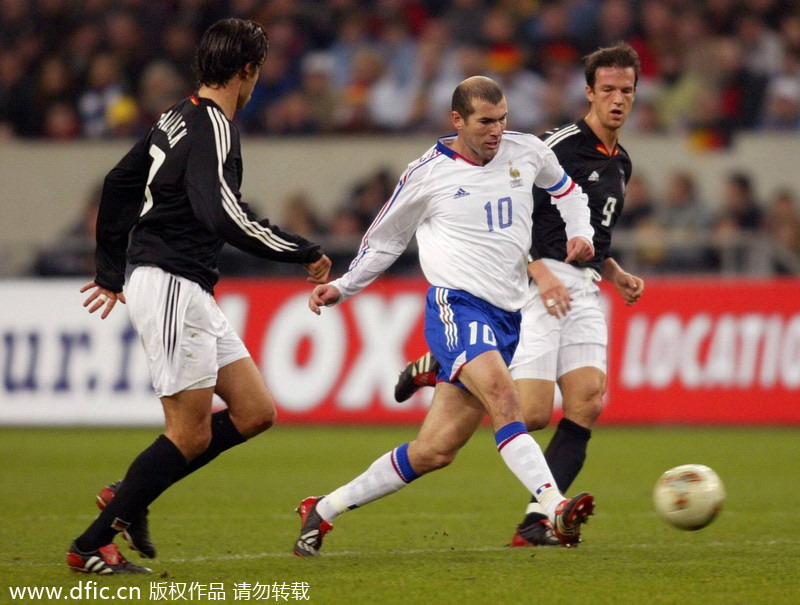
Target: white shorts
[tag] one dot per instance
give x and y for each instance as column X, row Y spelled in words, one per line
column 185, row 335
column 550, row 347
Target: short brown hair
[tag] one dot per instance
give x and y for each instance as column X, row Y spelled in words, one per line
column 476, row 87
column 620, row 54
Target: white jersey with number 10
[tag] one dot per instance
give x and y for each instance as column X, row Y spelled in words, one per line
column 473, row 223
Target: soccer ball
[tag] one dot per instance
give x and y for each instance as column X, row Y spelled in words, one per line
column 689, row 496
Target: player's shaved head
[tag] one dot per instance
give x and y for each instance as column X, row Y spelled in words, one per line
column 475, row 88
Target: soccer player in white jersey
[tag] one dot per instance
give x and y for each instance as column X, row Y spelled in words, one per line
column 469, row 200
column 564, row 334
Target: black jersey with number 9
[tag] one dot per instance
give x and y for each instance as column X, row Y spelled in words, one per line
column 601, row 173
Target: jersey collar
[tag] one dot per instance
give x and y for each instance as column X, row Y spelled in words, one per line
column 449, row 152
column 598, row 144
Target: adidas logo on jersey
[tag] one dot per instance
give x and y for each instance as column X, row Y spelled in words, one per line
column 594, row 176
column 460, row 193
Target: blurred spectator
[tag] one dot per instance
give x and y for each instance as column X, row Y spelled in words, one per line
column 721, row 15
column 426, row 108
column 739, row 210
column 15, row 16
column 657, row 37
column 355, row 112
column 393, row 92
column 82, row 43
column 178, row 42
column 277, row 79
column 650, row 246
column 345, row 226
column 399, row 50
column 362, row 204
column 614, row 21
column 13, row 97
column 741, row 90
column 790, row 32
column 160, row 87
column 293, row 114
column 464, row 19
column 782, row 107
column 762, row 47
column 300, row 217
column 685, row 219
column 677, row 89
column 549, row 27
column 782, row 225
column 61, row 121
column 72, row 254
column 106, row 87
column 54, row 82
column 316, row 86
column 352, row 38
column 683, row 212
column 124, row 40
column 639, row 205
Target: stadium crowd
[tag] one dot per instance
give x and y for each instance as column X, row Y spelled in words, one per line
column 104, row 68
column 99, row 69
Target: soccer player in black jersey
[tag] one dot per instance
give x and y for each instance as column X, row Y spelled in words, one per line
column 564, row 333
column 175, row 196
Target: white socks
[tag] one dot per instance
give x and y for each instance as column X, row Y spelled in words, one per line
column 385, row 476
column 525, row 459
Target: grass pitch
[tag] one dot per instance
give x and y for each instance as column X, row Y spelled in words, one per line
column 230, row 527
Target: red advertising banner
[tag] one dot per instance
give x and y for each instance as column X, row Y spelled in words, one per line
column 705, row 351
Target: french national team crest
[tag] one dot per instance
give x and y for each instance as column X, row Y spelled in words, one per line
column 516, row 180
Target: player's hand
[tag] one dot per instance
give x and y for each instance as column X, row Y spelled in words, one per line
column 323, row 295
column 579, row 249
column 556, row 300
column 629, row 286
column 555, row 297
column 99, row 297
column 318, row 270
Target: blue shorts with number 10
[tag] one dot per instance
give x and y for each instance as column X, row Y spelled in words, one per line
column 459, row 327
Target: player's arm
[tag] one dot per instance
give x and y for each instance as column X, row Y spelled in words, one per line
column 216, row 202
column 628, row 285
column 386, row 239
column 573, row 205
column 120, row 205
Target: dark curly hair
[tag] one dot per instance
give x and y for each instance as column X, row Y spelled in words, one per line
column 226, row 48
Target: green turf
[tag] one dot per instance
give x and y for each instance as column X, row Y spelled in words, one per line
column 441, row 540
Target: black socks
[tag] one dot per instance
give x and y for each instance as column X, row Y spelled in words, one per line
column 152, row 472
column 224, row 435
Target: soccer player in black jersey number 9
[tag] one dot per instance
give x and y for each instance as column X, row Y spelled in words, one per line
column 172, row 202
column 564, row 334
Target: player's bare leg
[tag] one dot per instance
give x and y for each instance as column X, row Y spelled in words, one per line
column 451, row 420
column 250, row 404
column 201, row 436
column 488, row 378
